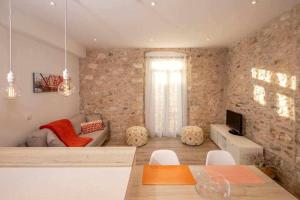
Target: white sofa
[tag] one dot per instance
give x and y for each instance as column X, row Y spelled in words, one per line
column 46, row 138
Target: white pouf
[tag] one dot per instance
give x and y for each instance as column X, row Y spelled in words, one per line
column 192, row 135
column 136, row 136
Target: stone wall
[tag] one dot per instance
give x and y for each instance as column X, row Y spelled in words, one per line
column 263, row 85
column 112, row 83
column 259, row 78
column 295, row 15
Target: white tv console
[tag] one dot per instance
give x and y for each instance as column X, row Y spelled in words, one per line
column 239, row 147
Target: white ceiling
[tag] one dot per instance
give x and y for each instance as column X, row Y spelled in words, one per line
column 171, row 23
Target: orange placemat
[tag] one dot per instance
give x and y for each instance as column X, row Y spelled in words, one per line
column 167, row 175
column 236, row 174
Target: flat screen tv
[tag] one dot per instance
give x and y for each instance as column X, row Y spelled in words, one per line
column 235, row 122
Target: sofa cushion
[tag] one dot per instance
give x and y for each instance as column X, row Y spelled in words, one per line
column 98, row 137
column 89, row 127
column 76, row 121
column 37, row 138
column 53, row 140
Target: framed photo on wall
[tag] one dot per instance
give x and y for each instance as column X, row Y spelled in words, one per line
column 45, row 82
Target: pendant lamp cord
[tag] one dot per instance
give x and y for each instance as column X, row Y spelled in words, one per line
column 10, row 34
column 66, row 7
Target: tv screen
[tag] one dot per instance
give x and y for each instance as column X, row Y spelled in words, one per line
column 235, row 122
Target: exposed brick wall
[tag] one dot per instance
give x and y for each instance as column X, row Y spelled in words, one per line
column 271, row 121
column 112, row 83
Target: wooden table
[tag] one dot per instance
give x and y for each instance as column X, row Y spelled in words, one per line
column 268, row 191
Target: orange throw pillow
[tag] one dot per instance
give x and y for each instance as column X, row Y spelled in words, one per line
column 89, row 127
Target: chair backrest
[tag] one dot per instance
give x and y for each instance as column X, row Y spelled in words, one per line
column 219, row 157
column 164, row 157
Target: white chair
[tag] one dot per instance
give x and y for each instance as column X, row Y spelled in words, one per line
column 164, row 157
column 219, row 157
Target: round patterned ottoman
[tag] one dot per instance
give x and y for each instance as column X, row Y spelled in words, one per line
column 136, row 136
column 192, row 135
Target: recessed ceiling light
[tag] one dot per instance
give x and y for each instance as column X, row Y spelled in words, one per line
column 153, row 3
column 253, row 2
column 95, row 39
column 52, row 3
column 208, row 39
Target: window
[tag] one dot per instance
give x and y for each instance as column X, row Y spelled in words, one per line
column 165, row 93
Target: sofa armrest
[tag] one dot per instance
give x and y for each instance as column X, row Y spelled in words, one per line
column 37, row 138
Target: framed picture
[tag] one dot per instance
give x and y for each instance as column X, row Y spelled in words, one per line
column 45, row 82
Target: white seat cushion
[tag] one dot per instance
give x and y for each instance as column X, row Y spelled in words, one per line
column 38, row 138
column 98, row 137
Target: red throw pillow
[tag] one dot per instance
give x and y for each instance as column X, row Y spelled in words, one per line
column 89, row 127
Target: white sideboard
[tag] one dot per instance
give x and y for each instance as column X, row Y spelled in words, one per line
column 239, row 147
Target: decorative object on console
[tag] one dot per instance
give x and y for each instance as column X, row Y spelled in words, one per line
column 89, row 127
column 136, row 136
column 192, row 135
column 46, row 82
column 11, row 91
column 66, row 88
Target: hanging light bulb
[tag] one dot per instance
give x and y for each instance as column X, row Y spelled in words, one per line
column 66, row 88
column 11, row 91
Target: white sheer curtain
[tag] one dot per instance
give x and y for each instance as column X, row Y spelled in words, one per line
column 165, row 93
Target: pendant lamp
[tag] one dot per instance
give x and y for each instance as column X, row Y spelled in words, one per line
column 66, row 88
column 11, row 91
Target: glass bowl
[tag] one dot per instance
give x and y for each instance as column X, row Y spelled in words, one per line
column 212, row 185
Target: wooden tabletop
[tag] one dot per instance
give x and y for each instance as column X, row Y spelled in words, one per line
column 67, row 157
column 267, row 191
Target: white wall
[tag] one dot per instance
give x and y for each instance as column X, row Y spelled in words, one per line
column 19, row 117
